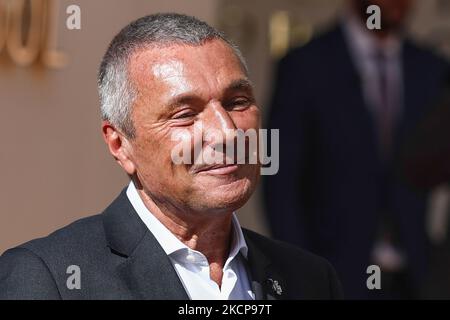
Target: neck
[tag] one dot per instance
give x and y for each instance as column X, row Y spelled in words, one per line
column 209, row 234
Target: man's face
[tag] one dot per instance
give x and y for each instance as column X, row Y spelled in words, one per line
column 180, row 87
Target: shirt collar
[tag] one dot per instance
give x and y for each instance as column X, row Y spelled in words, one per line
column 168, row 241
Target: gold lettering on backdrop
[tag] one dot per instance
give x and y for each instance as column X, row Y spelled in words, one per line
column 279, row 32
column 285, row 32
column 24, row 35
column 28, row 32
column 51, row 56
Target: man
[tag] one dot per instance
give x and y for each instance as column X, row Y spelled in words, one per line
column 343, row 104
column 172, row 234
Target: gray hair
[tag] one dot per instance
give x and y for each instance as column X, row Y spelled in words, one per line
column 117, row 94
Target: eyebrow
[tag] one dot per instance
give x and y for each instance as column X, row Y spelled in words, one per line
column 243, row 84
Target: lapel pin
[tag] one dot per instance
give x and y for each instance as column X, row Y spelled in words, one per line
column 276, row 287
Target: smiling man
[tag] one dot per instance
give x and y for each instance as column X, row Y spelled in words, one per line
column 173, row 232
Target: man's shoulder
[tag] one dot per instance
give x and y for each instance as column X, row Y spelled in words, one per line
column 323, row 43
column 36, row 269
column 314, row 57
column 285, row 252
column 77, row 238
column 309, row 275
column 289, row 257
column 79, row 233
column 424, row 54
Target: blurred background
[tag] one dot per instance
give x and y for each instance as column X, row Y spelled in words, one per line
column 370, row 143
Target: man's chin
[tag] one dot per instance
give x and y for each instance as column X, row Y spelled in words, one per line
column 226, row 196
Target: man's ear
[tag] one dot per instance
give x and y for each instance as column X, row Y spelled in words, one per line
column 119, row 147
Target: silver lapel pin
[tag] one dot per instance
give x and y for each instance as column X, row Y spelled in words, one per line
column 276, row 286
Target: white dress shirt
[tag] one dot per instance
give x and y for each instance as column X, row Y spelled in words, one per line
column 192, row 266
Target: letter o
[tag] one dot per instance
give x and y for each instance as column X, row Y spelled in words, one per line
column 24, row 54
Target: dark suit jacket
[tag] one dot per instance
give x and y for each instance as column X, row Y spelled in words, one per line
column 119, row 258
column 332, row 186
column 425, row 158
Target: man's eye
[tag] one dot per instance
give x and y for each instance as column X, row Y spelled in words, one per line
column 240, row 103
column 184, row 115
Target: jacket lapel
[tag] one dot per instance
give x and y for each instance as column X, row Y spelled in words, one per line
column 267, row 283
column 147, row 270
column 150, row 274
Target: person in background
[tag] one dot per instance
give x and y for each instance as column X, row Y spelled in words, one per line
column 425, row 158
column 343, row 104
column 424, row 163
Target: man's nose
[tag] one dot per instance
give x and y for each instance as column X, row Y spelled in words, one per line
column 218, row 119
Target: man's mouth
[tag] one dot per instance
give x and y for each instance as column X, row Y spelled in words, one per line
column 217, row 169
